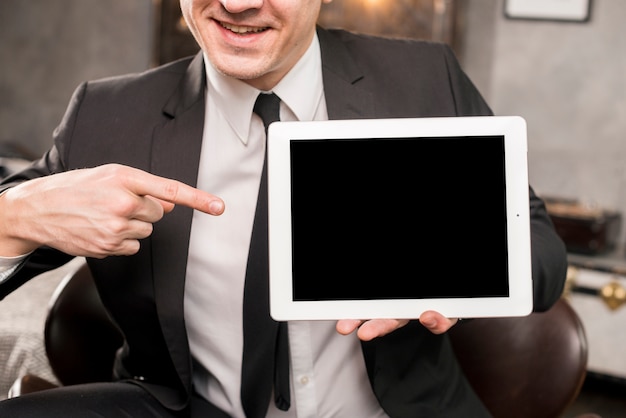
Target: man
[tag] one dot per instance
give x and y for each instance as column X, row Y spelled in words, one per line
column 132, row 182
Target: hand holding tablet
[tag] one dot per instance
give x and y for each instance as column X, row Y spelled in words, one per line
column 423, row 214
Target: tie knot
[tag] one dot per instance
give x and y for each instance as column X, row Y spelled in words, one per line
column 267, row 106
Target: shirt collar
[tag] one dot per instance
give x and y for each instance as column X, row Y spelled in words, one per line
column 300, row 91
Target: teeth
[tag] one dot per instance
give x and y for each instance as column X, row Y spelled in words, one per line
column 242, row 29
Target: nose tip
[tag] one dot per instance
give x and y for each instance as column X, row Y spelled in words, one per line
column 238, row 6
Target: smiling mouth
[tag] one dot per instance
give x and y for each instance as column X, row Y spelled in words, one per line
column 242, row 30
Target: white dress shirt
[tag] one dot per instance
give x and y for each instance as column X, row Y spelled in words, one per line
column 328, row 376
column 9, row 264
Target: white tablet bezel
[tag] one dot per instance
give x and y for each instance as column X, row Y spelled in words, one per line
column 512, row 128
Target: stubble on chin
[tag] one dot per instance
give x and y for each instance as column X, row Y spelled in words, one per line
column 242, row 69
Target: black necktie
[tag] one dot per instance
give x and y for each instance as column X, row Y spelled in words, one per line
column 265, row 343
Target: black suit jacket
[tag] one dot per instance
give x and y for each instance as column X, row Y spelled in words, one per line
column 154, row 121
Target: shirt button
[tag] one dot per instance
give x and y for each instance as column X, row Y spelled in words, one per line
column 304, row 380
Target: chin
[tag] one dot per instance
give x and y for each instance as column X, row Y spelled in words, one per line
column 242, row 69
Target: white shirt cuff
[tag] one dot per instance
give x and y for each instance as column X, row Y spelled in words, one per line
column 9, row 264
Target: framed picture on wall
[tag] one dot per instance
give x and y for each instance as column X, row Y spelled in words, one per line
column 566, row 10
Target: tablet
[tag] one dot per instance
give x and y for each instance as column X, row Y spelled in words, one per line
column 388, row 218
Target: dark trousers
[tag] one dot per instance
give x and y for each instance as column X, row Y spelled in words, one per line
column 102, row 400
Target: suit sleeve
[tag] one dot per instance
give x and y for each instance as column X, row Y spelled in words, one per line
column 44, row 258
column 549, row 256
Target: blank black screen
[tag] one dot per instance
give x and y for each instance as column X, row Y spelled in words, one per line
column 403, row 218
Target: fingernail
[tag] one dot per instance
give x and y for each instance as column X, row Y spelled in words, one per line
column 216, row 206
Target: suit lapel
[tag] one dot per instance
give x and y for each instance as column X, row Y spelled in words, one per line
column 345, row 98
column 176, row 155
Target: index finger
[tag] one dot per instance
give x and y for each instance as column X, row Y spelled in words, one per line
column 174, row 191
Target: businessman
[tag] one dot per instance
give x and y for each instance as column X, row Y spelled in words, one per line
column 155, row 177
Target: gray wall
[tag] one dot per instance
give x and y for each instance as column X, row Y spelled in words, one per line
column 47, row 47
column 566, row 79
